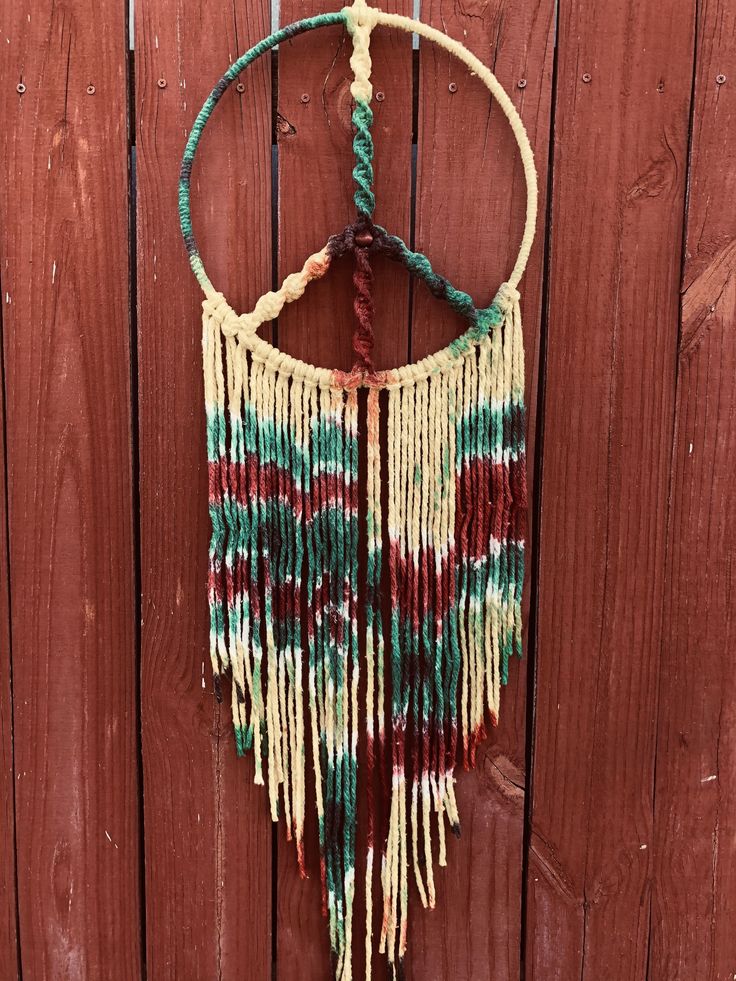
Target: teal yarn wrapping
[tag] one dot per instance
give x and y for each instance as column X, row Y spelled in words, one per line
column 185, row 173
column 482, row 319
column 365, row 200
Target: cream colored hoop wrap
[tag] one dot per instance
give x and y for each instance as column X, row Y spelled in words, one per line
column 434, row 523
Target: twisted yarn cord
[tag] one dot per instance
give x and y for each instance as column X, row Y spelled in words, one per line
column 365, row 199
column 363, row 338
column 360, row 20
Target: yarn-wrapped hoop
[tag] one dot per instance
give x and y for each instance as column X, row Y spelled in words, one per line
column 445, row 526
column 360, row 21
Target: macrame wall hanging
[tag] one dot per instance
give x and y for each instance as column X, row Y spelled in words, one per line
column 445, row 519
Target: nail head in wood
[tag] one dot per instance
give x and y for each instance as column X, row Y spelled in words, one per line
column 240, row 87
column 161, row 83
column 587, row 77
column 380, row 96
column 452, row 87
column 306, row 98
column 20, row 88
column 521, row 83
column 91, row 90
column 720, row 79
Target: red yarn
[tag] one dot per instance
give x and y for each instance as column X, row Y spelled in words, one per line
column 363, row 337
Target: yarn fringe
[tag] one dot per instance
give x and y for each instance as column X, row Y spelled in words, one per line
column 447, row 558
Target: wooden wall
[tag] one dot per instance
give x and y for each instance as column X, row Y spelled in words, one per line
column 600, row 827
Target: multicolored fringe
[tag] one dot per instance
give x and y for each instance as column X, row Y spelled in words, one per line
column 284, row 571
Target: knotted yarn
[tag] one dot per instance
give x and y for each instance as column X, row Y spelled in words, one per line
column 365, row 587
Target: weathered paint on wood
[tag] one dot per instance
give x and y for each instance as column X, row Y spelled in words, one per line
column 694, row 900
column 207, row 833
column 67, row 354
column 621, row 130
column 471, row 202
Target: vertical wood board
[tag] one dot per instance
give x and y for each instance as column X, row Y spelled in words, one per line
column 207, row 833
column 8, row 893
column 694, row 900
column 470, row 208
column 621, row 126
column 66, row 327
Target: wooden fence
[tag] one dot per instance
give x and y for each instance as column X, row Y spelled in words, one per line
column 600, row 828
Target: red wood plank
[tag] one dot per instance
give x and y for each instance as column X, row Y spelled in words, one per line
column 8, row 896
column 621, row 124
column 207, row 833
column 695, row 826
column 64, row 245
column 315, row 200
column 470, row 212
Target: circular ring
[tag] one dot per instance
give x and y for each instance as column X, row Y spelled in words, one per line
column 387, row 20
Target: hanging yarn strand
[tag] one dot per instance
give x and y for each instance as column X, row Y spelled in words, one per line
column 314, row 676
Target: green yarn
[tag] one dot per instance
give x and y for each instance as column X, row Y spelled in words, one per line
column 365, row 200
column 419, row 265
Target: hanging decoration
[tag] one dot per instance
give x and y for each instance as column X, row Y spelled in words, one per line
column 417, row 672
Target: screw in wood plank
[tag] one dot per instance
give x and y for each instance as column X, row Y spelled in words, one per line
column 91, row 90
column 521, row 83
column 587, row 77
column 306, row 98
column 240, row 88
column 452, row 87
column 380, row 96
column 720, row 79
column 161, row 83
column 20, row 88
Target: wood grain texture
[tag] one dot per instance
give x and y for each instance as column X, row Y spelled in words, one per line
column 65, row 279
column 694, row 899
column 207, row 833
column 315, row 200
column 8, row 893
column 471, row 202
column 618, row 202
